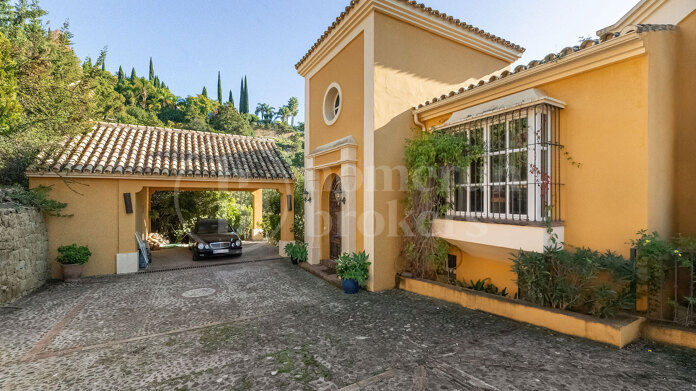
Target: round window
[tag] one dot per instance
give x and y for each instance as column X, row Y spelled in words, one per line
column 332, row 103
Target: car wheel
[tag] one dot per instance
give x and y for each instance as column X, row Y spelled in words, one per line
column 195, row 256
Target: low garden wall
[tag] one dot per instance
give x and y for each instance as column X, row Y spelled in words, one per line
column 23, row 251
column 618, row 332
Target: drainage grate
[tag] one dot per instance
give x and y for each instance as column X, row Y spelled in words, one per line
column 203, row 266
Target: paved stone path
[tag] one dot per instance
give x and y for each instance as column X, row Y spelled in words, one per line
column 180, row 257
column 270, row 325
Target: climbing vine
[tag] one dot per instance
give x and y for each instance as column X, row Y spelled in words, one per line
column 431, row 160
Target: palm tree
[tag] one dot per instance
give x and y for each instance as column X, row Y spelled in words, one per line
column 293, row 106
column 261, row 108
column 268, row 115
column 283, row 114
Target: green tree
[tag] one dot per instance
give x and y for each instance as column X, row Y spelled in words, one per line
column 293, row 105
column 151, row 76
column 219, row 89
column 121, row 75
column 10, row 108
column 246, row 97
column 51, row 88
column 229, row 120
column 230, row 99
column 133, row 76
column 241, row 96
column 204, row 92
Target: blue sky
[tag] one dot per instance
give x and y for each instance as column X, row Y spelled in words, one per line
column 190, row 41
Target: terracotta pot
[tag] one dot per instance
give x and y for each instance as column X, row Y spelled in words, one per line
column 72, row 272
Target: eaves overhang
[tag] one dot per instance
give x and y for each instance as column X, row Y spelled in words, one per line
column 611, row 51
column 415, row 14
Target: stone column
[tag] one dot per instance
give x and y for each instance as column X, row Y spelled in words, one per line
column 312, row 215
column 256, row 231
column 348, row 210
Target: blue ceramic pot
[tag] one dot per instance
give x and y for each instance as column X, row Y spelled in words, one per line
column 350, row 286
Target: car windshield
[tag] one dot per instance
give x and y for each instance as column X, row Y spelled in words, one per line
column 212, row 227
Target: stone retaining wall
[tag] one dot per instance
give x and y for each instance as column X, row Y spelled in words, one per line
column 23, row 251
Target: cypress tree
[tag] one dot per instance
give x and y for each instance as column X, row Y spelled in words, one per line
column 231, row 99
column 103, row 65
column 152, row 71
column 246, row 96
column 133, row 76
column 219, row 91
column 157, row 82
column 121, row 75
column 241, row 96
column 204, row 92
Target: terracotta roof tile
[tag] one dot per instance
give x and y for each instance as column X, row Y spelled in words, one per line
column 551, row 57
column 142, row 150
column 421, row 7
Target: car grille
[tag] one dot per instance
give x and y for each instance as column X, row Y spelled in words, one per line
column 216, row 245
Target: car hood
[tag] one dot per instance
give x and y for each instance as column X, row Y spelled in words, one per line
column 217, row 237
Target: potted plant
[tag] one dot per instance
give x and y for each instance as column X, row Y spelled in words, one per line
column 297, row 252
column 353, row 270
column 72, row 258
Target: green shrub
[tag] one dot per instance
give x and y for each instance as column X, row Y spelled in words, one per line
column 297, row 250
column 354, row 267
column 73, row 255
column 582, row 280
column 36, row 197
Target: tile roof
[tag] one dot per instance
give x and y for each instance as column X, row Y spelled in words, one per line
column 118, row 149
column 551, row 57
column 423, row 8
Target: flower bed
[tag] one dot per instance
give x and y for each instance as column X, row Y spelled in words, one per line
column 618, row 331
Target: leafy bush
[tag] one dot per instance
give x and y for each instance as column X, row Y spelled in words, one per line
column 73, row 255
column 431, row 160
column 270, row 224
column 297, row 251
column 354, row 267
column 582, row 280
column 36, row 197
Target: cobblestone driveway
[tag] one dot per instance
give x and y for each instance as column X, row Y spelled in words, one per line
column 271, row 325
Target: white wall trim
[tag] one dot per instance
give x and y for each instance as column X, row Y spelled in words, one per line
column 368, row 218
column 514, row 237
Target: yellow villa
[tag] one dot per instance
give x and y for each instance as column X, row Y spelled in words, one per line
column 621, row 105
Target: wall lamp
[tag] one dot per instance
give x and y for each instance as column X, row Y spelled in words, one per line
column 307, row 197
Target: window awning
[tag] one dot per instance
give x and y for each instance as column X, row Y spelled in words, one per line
column 517, row 100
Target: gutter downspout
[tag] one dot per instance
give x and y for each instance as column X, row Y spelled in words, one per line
column 415, row 119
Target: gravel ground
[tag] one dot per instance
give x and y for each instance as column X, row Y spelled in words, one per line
column 270, row 325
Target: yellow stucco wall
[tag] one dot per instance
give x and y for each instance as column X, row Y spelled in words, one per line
column 685, row 173
column 94, row 221
column 606, row 200
column 99, row 219
column 411, row 65
column 347, row 69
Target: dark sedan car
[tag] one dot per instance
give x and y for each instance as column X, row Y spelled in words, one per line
column 214, row 237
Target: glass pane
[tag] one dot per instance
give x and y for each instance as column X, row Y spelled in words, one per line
column 518, row 166
column 459, row 176
column 497, row 137
column 460, row 199
column 518, row 199
column 518, row 133
column 498, row 168
column 476, row 136
column 497, row 199
column 476, row 199
column 477, row 171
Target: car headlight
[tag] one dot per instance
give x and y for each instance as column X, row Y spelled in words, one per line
column 201, row 246
column 238, row 243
